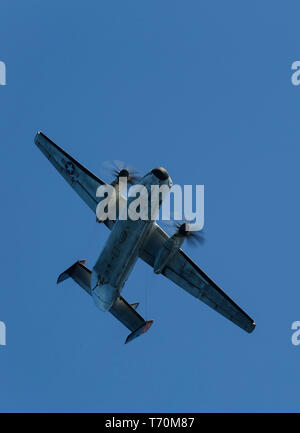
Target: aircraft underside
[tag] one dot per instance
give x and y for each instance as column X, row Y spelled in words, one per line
column 130, row 240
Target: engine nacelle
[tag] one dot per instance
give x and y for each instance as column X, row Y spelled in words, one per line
column 166, row 253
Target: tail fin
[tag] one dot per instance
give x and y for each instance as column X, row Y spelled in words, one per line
column 128, row 315
column 79, row 273
column 140, row 331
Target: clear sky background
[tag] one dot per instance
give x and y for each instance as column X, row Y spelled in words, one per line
column 204, row 89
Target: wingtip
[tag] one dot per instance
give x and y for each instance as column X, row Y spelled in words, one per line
column 251, row 327
column 36, row 138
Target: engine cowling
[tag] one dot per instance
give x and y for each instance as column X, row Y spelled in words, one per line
column 166, row 253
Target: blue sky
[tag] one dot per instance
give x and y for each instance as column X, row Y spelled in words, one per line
column 202, row 88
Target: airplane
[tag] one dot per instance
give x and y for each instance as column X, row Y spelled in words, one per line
column 130, row 240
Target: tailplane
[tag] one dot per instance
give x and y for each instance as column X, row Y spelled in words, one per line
column 79, row 273
column 123, row 311
column 140, row 331
column 126, row 313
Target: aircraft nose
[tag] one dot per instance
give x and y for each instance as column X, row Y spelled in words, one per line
column 161, row 173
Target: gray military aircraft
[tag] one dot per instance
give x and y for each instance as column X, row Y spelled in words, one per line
column 129, row 240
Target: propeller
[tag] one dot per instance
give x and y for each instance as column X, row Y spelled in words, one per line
column 119, row 169
column 193, row 237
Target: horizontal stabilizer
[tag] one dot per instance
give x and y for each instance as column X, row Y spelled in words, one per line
column 142, row 330
column 79, row 273
column 127, row 315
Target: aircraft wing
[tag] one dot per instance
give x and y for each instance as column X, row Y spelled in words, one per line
column 84, row 182
column 187, row 274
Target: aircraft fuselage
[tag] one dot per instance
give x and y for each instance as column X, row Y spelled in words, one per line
column 122, row 249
